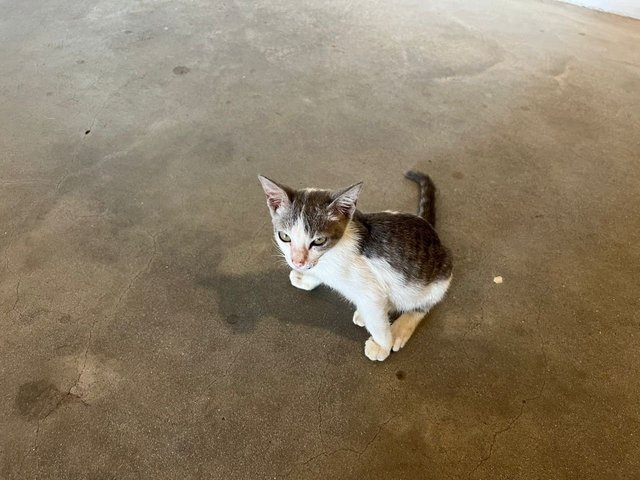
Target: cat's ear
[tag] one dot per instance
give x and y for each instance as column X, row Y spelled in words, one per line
column 345, row 200
column 277, row 195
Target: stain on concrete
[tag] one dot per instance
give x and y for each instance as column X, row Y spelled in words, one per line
column 181, row 70
column 36, row 400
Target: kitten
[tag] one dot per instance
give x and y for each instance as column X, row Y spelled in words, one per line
column 381, row 262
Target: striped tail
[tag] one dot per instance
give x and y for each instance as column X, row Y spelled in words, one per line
column 427, row 205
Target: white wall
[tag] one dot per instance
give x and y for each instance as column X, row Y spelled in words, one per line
column 628, row 8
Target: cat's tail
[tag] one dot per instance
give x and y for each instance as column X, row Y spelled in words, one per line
column 427, row 204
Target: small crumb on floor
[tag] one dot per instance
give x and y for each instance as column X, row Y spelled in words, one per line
column 497, row 279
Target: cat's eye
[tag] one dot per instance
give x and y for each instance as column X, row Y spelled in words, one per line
column 319, row 242
column 284, row 237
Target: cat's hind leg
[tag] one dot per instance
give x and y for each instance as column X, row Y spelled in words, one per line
column 403, row 328
column 303, row 281
column 405, row 324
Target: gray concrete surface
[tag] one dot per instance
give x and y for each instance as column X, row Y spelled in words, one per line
column 148, row 331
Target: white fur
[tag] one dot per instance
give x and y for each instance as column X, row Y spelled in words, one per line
column 300, row 240
column 375, row 288
column 298, row 236
column 375, row 352
column 357, row 319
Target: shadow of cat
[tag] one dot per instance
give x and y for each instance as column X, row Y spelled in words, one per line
column 243, row 300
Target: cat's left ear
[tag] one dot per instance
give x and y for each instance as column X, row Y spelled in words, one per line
column 345, row 200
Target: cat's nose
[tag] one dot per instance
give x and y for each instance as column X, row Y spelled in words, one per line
column 299, row 258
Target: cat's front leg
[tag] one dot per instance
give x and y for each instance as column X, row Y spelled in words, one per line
column 357, row 319
column 376, row 320
column 303, row 281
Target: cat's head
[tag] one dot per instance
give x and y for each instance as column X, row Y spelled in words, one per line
column 307, row 223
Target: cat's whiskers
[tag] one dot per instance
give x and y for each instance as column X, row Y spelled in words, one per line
column 281, row 259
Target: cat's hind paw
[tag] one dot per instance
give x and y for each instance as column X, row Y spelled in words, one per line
column 303, row 281
column 403, row 328
column 375, row 352
column 401, row 335
column 357, row 319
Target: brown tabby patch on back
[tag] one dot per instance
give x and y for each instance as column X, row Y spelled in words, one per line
column 407, row 242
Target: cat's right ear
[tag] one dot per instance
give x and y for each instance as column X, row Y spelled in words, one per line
column 278, row 196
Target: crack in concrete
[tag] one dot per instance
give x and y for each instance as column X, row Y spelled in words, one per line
column 495, row 438
column 70, row 393
column 50, row 197
column 71, row 174
column 104, row 104
column 318, row 395
column 113, row 313
column 97, row 215
column 471, row 329
column 622, row 62
column 15, row 304
column 470, row 71
column 141, row 272
column 320, row 415
column 544, row 355
column 12, row 234
column 98, row 111
column 84, row 362
column 329, row 453
column 81, row 170
column 34, row 449
column 524, row 402
column 226, row 372
column 380, row 427
column 9, row 183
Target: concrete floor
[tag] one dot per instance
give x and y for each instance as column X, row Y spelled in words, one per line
column 149, row 332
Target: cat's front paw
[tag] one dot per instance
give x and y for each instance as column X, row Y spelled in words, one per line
column 303, row 281
column 375, row 352
column 357, row 319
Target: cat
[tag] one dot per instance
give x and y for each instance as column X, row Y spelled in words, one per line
column 381, row 262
